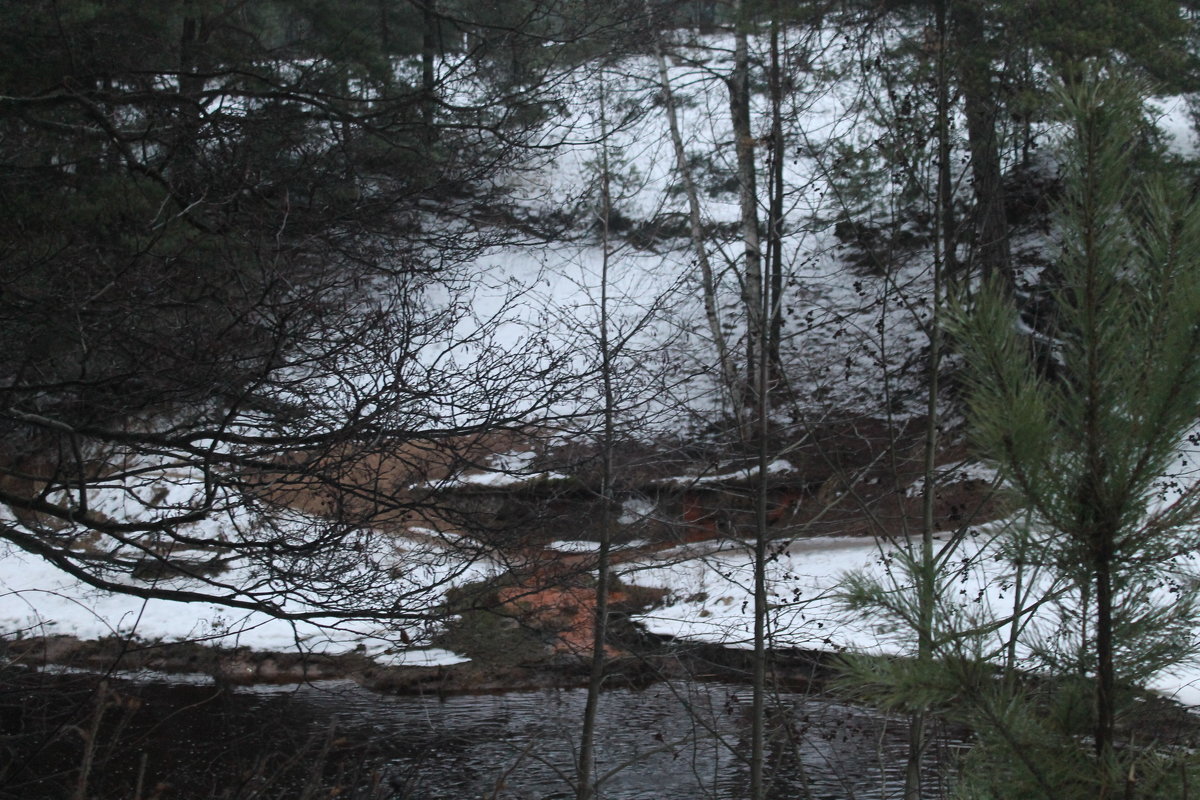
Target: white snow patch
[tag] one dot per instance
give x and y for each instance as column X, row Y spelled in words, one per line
column 636, row 509
column 711, row 598
column 1174, row 119
column 585, row 546
column 424, row 657
column 954, row 473
column 776, row 467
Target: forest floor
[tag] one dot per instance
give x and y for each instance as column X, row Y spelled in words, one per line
column 523, row 615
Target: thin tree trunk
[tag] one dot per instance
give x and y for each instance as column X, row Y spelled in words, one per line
column 429, row 47
column 1097, row 531
column 1095, row 527
column 739, row 109
column 945, row 193
column 761, row 545
column 1014, row 629
column 1105, row 672
column 596, row 676
column 762, row 409
column 385, row 32
column 758, row 298
column 192, row 35
column 926, row 577
column 775, row 211
column 90, row 738
column 728, row 374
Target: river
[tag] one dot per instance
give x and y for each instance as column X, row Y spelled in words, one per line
column 671, row 741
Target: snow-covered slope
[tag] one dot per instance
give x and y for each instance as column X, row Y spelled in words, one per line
column 853, row 345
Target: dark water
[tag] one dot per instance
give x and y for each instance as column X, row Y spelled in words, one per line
column 668, row 742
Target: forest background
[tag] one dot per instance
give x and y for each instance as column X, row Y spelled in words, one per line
column 358, row 325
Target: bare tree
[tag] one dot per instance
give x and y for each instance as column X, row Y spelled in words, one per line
column 235, row 290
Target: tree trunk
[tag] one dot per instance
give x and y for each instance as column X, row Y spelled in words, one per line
column 991, row 250
column 945, row 180
column 762, row 409
column 1105, row 677
column 185, row 171
column 385, row 31
column 775, row 210
column 429, row 47
column 728, row 373
column 752, row 282
column 926, row 575
column 758, row 721
column 586, row 768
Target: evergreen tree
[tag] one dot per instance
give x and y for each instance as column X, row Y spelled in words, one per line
column 1090, row 449
column 998, row 55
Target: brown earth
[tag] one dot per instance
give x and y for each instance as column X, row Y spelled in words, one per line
column 849, row 478
column 795, row 669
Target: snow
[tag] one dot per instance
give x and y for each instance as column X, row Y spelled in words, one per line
column 548, row 295
column 577, row 546
column 635, row 510
column 36, row 599
column 776, row 467
column 541, row 302
column 711, row 594
column 710, row 598
column 511, row 468
column 961, row 471
column 1173, row 117
column 584, row 546
column 496, row 479
column 427, row 657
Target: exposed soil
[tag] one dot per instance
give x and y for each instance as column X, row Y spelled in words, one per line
column 535, row 626
column 655, row 660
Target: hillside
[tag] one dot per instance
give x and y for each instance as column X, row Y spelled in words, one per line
column 846, row 429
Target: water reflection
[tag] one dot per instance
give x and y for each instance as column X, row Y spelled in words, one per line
column 677, row 741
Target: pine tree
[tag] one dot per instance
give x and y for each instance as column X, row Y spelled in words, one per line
column 1089, row 447
column 1085, row 427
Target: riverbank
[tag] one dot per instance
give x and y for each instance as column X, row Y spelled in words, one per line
column 657, row 659
column 253, row 713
